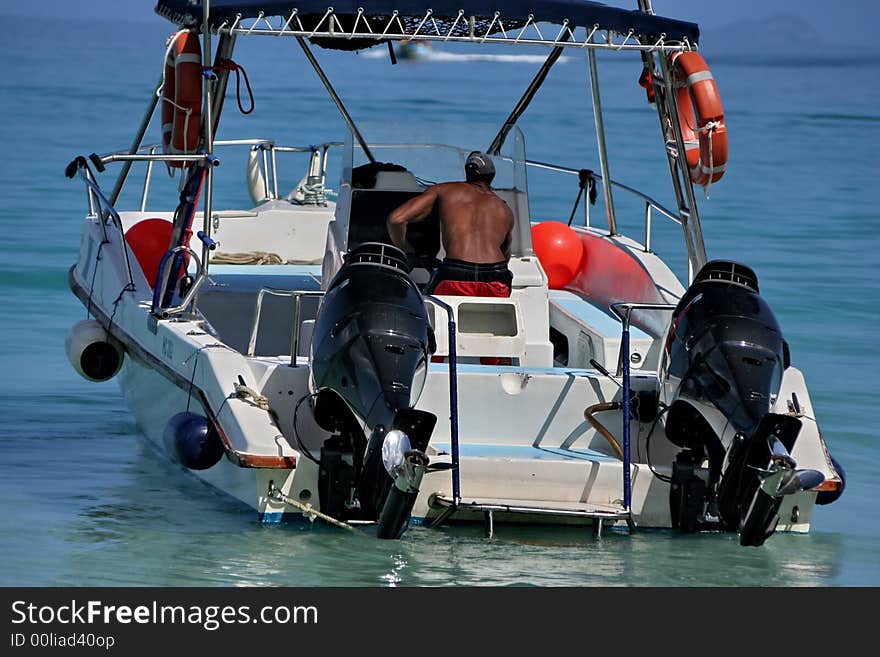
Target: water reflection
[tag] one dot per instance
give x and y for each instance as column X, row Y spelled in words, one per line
column 162, row 527
column 111, row 511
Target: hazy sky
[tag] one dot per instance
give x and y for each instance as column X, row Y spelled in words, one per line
column 843, row 19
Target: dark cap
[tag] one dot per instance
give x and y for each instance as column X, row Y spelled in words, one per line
column 480, row 164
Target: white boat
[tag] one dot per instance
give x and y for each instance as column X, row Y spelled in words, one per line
column 604, row 391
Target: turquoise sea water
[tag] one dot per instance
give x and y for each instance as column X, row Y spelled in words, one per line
column 85, row 502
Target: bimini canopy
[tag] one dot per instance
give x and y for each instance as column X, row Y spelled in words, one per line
column 368, row 22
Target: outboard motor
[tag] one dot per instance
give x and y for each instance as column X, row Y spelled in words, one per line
column 723, row 361
column 370, row 351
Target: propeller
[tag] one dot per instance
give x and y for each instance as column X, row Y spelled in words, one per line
column 781, row 480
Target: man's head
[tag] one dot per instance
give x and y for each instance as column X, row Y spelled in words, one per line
column 479, row 168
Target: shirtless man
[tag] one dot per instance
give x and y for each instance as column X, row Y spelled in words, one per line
column 476, row 226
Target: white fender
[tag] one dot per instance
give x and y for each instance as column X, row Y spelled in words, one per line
column 94, row 354
column 256, row 182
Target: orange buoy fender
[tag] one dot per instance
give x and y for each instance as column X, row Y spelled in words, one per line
column 701, row 118
column 186, row 52
column 148, row 240
column 559, row 250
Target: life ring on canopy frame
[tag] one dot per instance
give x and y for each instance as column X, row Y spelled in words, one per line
column 182, row 95
column 701, row 118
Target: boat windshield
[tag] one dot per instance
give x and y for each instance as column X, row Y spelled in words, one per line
column 435, row 162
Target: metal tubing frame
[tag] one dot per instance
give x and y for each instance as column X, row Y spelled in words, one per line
column 274, row 174
column 336, row 99
column 267, row 143
column 627, row 458
column 136, row 144
column 624, row 312
column 690, row 220
column 147, row 178
column 258, row 309
column 524, row 101
column 225, row 46
column 600, row 140
column 650, row 203
column 209, row 78
column 453, row 400
column 632, row 190
column 438, row 501
column 329, row 27
column 138, row 157
column 667, row 114
column 104, row 211
column 164, row 277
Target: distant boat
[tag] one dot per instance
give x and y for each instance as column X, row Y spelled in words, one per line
column 413, row 50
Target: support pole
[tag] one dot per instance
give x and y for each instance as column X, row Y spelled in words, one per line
column 525, row 100
column 336, row 99
column 453, row 402
column 624, row 347
column 136, row 144
column 209, row 78
column 690, row 220
column 600, row 139
column 667, row 113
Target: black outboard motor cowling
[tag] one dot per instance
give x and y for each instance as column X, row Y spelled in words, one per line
column 723, row 362
column 725, row 347
column 370, row 351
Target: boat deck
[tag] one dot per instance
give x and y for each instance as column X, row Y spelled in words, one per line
column 524, row 452
column 520, row 465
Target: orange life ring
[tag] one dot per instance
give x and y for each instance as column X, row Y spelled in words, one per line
column 182, row 96
column 701, row 118
column 168, row 104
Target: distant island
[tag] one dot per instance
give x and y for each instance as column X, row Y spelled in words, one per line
column 783, row 38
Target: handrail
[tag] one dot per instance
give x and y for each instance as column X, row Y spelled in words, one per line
column 159, row 157
column 164, row 275
column 632, row 190
column 101, row 208
column 624, row 312
column 650, row 203
column 297, row 295
column 150, row 155
column 453, row 406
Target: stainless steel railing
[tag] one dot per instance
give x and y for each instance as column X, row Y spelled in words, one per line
column 297, row 295
column 624, row 312
column 268, row 164
column 101, row 208
column 650, row 203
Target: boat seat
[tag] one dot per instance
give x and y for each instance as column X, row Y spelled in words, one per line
column 369, row 215
column 592, row 315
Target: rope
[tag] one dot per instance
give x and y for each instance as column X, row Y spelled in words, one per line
column 250, row 258
column 168, row 45
column 94, row 276
column 307, row 510
column 313, row 194
column 229, row 65
column 585, row 181
column 195, row 355
column 242, row 391
column 710, row 127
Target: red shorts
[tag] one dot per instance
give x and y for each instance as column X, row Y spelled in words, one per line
column 472, row 289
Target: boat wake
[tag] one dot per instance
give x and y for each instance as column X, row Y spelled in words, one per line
column 440, row 56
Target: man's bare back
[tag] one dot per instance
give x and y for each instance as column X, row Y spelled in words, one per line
column 475, row 223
